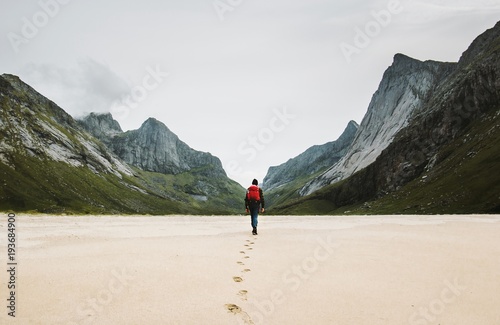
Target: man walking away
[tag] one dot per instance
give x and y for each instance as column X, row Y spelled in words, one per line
column 254, row 201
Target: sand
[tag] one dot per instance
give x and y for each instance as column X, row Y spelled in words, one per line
column 211, row 270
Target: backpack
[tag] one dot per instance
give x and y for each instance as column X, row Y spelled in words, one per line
column 253, row 193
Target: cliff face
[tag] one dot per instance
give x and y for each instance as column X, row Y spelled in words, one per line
column 311, row 161
column 152, row 147
column 445, row 158
column 102, row 126
column 51, row 163
column 32, row 125
column 406, row 85
column 468, row 97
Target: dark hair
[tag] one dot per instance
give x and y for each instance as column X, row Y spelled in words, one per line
column 255, row 182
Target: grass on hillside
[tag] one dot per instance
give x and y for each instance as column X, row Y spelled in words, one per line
column 46, row 186
column 465, row 181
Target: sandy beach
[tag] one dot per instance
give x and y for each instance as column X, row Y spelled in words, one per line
column 412, row 270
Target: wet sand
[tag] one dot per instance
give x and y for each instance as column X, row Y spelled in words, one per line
column 210, row 270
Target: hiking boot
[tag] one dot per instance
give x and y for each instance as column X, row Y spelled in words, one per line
column 254, row 231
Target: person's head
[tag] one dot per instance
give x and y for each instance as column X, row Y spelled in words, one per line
column 255, row 182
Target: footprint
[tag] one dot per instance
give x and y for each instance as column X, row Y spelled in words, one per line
column 235, row 309
column 246, row 257
column 249, row 248
column 246, row 270
column 243, row 294
column 237, row 279
column 242, row 252
column 247, row 245
column 240, row 263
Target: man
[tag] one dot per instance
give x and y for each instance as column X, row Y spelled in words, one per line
column 254, row 201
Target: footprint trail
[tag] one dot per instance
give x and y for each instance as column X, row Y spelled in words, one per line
column 242, row 294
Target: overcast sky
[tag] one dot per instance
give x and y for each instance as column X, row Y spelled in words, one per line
column 254, row 82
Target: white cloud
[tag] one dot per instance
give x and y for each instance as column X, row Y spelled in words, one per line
column 87, row 87
column 435, row 12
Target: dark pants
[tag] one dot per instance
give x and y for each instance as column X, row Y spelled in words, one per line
column 254, row 208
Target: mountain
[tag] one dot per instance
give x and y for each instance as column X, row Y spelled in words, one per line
column 405, row 87
column 153, row 147
column 102, row 126
column 50, row 163
column 310, row 161
column 283, row 182
column 33, row 126
column 429, row 143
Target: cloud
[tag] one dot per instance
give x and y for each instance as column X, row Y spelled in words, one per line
column 90, row 86
column 264, row 54
column 425, row 11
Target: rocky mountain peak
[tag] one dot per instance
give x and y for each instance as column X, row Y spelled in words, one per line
column 481, row 44
column 33, row 101
column 404, row 65
column 349, row 132
column 152, row 147
column 312, row 160
column 154, row 128
column 6, row 81
column 404, row 88
column 34, row 126
column 50, row 163
column 153, row 123
column 101, row 125
column 404, row 60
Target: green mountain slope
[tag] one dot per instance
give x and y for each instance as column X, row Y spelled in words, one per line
column 46, row 186
column 49, row 164
column 466, row 180
column 445, row 161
